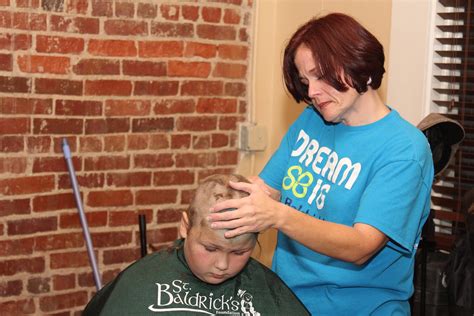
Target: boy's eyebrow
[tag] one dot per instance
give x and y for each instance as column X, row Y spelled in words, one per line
column 211, row 244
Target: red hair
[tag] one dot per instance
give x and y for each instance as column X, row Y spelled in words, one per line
column 341, row 46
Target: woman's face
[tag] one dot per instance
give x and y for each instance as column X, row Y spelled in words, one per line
column 335, row 106
column 213, row 258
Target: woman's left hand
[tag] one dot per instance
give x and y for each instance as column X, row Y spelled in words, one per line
column 254, row 213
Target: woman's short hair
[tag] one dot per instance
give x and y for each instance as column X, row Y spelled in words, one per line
column 341, row 46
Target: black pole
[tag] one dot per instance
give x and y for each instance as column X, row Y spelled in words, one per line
column 142, row 225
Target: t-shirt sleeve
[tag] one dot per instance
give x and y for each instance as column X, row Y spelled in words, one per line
column 395, row 202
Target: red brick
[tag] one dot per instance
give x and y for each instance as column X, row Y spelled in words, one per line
column 211, row 14
column 170, row 12
column 111, row 239
column 44, row 64
column 152, row 124
column 124, row 9
column 219, row 140
column 58, row 86
column 196, row 123
column 168, row 216
column 6, row 62
column 172, row 106
column 112, row 48
column 14, row 125
column 63, row 301
column 31, row 265
column 81, row 25
column 25, row 106
column 94, row 219
column 15, row 41
column 188, row 69
column 127, row 107
column 26, row 185
column 157, row 88
column 216, row 105
column 121, row 255
column 228, row 123
column 125, row 27
column 110, row 198
column 10, row 288
column 144, row 68
column 145, row 197
column 102, row 8
column 15, row 247
column 163, row 235
column 5, row 3
column 205, row 88
column 17, row 206
column 60, row 45
column 216, row 32
column 27, row 4
column 90, row 144
column 201, row 160
column 6, row 19
column 18, row 307
column 57, row 126
column 15, row 165
column 114, row 143
column 204, row 50
column 77, row 6
column 146, row 10
column 106, row 126
column 91, row 180
column 29, row 21
column 180, row 141
column 159, row 141
column 131, row 179
column 69, row 260
column 78, row 108
column 107, row 163
column 153, row 160
column 64, row 282
column 97, row 67
column 39, row 285
column 11, row 144
column 160, row 49
column 137, row 142
column 165, row 29
column 41, row 144
column 201, row 141
column 15, row 84
column 31, row 226
column 230, row 157
column 231, row 16
column 235, row 89
column 128, row 218
column 54, row 202
column 59, row 241
column 233, row 71
column 165, row 178
column 233, row 52
column 243, row 35
column 108, row 87
column 190, row 12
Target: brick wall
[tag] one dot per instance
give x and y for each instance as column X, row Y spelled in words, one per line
column 148, row 93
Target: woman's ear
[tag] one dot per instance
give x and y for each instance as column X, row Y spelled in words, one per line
column 184, row 225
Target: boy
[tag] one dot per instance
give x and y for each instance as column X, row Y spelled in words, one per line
column 204, row 273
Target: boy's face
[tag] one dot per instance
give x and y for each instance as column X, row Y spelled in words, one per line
column 213, row 258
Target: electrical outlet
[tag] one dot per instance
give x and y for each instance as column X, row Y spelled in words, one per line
column 252, row 137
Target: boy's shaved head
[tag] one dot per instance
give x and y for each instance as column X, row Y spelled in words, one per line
column 211, row 190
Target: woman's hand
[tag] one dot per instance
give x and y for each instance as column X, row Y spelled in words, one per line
column 254, row 213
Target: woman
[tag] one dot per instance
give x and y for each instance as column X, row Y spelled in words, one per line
column 349, row 187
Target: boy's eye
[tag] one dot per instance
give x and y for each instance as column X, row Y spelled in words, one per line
column 239, row 253
column 209, row 249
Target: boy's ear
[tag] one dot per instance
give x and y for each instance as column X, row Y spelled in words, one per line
column 184, row 225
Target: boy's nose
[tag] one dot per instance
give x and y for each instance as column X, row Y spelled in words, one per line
column 222, row 262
